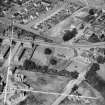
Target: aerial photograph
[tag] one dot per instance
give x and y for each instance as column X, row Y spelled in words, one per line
column 52, row 52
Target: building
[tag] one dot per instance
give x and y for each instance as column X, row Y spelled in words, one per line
column 5, row 49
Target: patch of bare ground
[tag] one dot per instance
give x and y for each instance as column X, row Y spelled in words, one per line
column 97, row 3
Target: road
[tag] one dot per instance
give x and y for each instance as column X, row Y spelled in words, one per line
column 69, row 87
column 62, row 46
column 90, row 45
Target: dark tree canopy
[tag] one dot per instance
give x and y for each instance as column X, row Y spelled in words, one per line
column 29, row 65
column 95, row 67
column 92, row 11
column 53, row 61
column 74, row 88
column 93, row 38
column 74, row 74
column 102, row 37
column 69, row 34
column 48, row 51
column 100, row 59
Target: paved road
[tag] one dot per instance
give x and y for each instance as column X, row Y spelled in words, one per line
column 102, row 44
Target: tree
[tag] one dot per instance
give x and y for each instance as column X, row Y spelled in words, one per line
column 74, row 88
column 53, row 61
column 95, row 67
column 93, row 38
column 29, row 65
column 69, row 34
column 48, row 51
column 102, row 37
column 91, row 11
column 101, row 59
column 74, row 74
